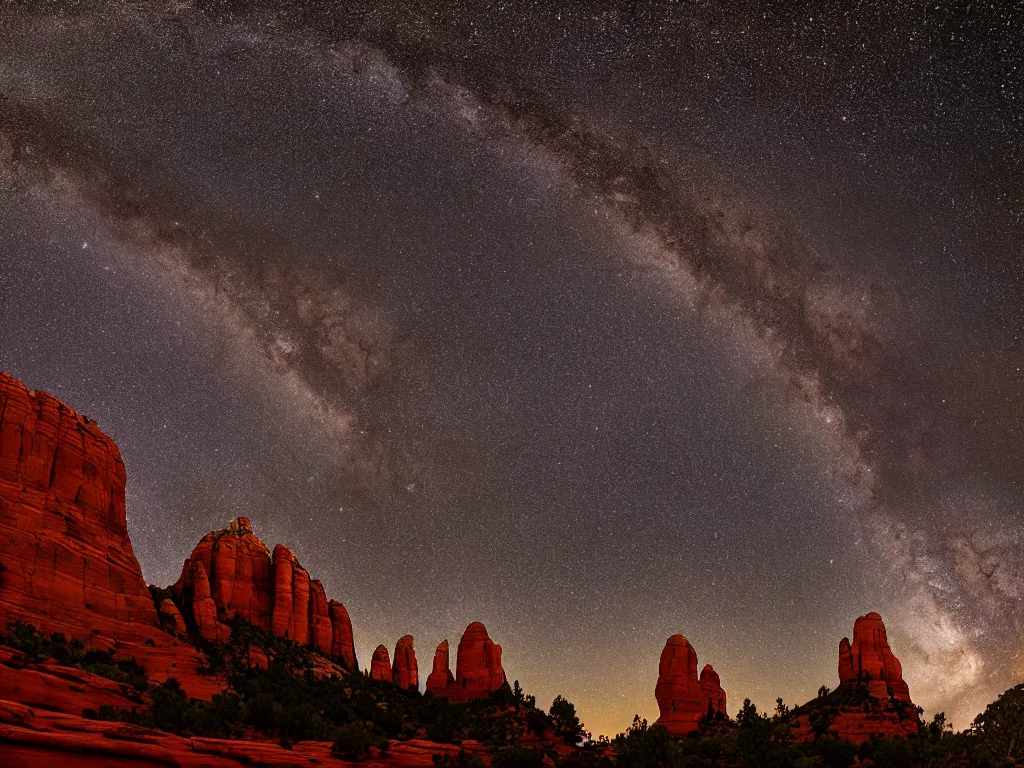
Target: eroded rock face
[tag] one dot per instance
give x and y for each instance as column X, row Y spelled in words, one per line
column 869, row 657
column 66, row 556
column 271, row 591
column 872, row 698
column 683, row 698
column 478, row 669
column 39, row 738
column 405, row 672
column 238, row 566
column 440, row 676
column 321, row 634
column 342, row 645
column 380, row 665
column 171, row 618
column 204, row 609
column 66, row 562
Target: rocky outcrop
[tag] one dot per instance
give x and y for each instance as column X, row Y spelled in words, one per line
column 478, row 669
column 440, row 676
column 37, row 738
column 321, row 634
column 204, row 609
column 66, row 562
column 869, row 657
column 171, row 618
column 872, row 698
column 271, row 591
column 343, row 647
column 405, row 672
column 683, row 698
column 380, row 665
column 50, row 685
column 238, row 566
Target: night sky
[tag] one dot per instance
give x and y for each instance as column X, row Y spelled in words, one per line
column 594, row 322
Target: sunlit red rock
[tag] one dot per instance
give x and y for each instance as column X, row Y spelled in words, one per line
column 299, row 630
column 711, row 683
column 440, row 676
column 380, row 665
column 683, row 698
column 284, row 564
column 65, row 552
column 50, row 685
column 405, row 672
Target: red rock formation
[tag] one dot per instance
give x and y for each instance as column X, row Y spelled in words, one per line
column 711, row 683
column 321, row 634
column 66, row 562
column 342, row 646
column 66, row 554
column 204, row 609
column 49, row 685
column 869, row 657
column 171, row 619
column 274, row 593
column 846, row 667
column 683, row 698
column 405, row 672
column 36, row 738
column 440, row 676
column 871, row 676
column 478, row 669
column 238, row 566
column 380, row 665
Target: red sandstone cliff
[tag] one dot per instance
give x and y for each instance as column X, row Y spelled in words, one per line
column 66, row 562
column 683, row 698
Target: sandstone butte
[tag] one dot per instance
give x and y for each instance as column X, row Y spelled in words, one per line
column 869, row 661
column 683, row 698
column 231, row 573
column 478, row 669
column 406, row 673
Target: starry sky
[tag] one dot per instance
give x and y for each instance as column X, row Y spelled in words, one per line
column 592, row 321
